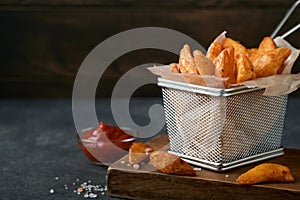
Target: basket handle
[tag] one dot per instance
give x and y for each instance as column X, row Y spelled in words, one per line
column 287, row 15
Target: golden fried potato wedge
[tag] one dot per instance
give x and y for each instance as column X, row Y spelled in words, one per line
column 174, row 68
column 186, row 61
column 171, row 164
column 271, row 63
column 244, row 69
column 267, row 44
column 214, row 50
column 238, row 48
column 203, row 64
column 267, row 172
column 225, row 65
column 138, row 152
column 253, row 54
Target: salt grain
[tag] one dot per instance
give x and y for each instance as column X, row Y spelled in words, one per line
column 122, row 162
column 136, row 166
column 86, row 195
column 56, row 178
column 51, row 191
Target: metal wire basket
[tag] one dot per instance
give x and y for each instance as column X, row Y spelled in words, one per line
column 220, row 129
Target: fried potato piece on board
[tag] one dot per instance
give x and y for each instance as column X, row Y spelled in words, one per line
column 186, row 61
column 214, row 50
column 225, row 65
column 138, row 152
column 271, row 63
column 267, row 44
column 266, row 172
column 203, row 64
column 238, row 48
column 171, row 164
column 244, row 69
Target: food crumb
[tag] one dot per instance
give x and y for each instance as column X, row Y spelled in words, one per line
column 79, row 190
column 136, row 166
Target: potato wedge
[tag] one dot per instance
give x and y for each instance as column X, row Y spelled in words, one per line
column 266, row 172
column 238, row 48
column 271, row 63
column 203, row 64
column 138, row 152
column 214, row 50
column 174, row 68
column 244, row 69
column 186, row 61
column 267, row 44
column 225, row 66
column 171, row 164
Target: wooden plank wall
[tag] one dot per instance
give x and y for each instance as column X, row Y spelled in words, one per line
column 43, row 43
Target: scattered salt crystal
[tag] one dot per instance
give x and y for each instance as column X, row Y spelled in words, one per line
column 197, row 169
column 56, row 178
column 136, row 166
column 226, row 175
column 86, row 195
column 77, row 179
column 51, row 191
column 89, row 181
column 122, row 162
column 92, row 195
column 102, row 193
column 73, row 183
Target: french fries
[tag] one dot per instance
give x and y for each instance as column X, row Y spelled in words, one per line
column 231, row 60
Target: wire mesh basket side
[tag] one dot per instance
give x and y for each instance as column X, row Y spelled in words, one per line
column 254, row 124
column 223, row 129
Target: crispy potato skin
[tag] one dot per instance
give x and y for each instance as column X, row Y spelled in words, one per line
column 171, row 164
column 138, row 152
column 186, row 61
column 267, row 44
column 244, row 69
column 271, row 63
column 267, row 172
column 203, row 64
column 238, row 48
column 225, row 65
column 214, row 50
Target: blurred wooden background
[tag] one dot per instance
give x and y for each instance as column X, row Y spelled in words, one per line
column 43, row 43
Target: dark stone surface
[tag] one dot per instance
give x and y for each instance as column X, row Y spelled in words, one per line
column 38, row 144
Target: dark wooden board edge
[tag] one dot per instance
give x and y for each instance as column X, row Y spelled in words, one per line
column 145, row 183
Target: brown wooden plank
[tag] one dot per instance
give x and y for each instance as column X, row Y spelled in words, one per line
column 201, row 3
column 126, row 182
column 50, row 42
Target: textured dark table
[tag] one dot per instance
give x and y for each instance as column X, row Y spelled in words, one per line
column 39, row 150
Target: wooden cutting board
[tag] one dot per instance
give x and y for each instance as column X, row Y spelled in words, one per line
column 145, row 183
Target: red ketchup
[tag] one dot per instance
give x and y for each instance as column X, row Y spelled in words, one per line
column 105, row 144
